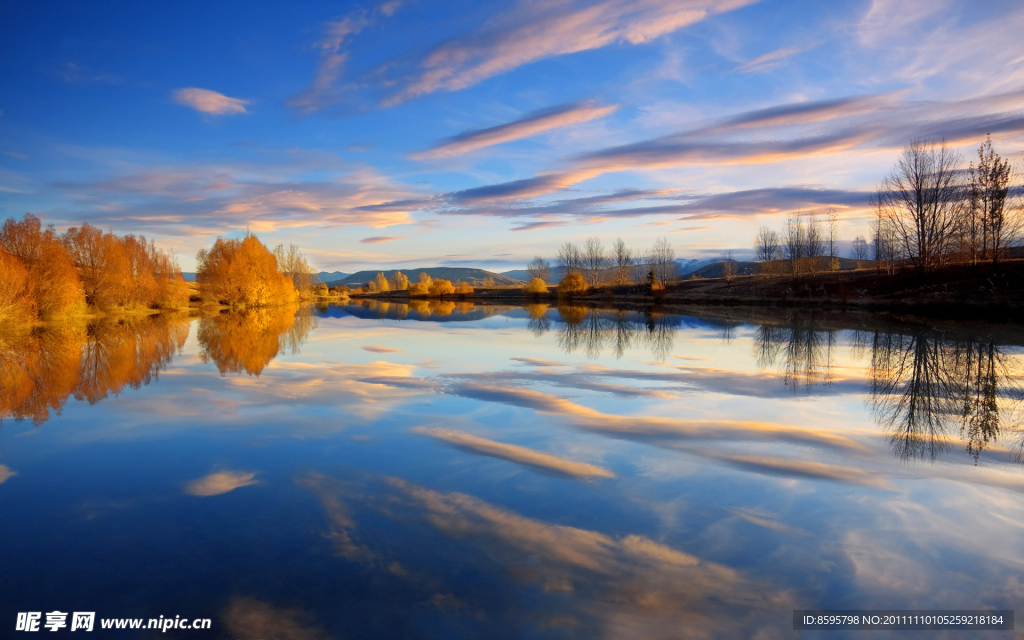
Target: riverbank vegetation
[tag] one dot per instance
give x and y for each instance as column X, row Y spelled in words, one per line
column 47, row 275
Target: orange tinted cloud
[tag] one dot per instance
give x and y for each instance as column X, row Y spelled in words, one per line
column 531, row 125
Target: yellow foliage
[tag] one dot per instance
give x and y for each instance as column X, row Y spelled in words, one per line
column 242, row 273
column 572, row 284
column 248, row 340
column 399, row 281
column 53, row 280
column 464, row 289
column 41, row 368
column 16, row 301
column 536, row 285
column 441, row 287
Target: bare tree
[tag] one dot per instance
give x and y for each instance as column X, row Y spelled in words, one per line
column 570, row 258
column 991, row 222
column 859, row 249
column 814, row 244
column 728, row 266
column 832, row 219
column 793, row 241
column 539, row 268
column 623, row 257
column 662, row 260
column 594, row 261
column 887, row 248
column 767, row 249
column 640, row 268
column 922, row 201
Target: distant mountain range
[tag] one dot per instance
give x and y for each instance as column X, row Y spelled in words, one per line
column 331, row 276
column 685, row 268
column 455, row 274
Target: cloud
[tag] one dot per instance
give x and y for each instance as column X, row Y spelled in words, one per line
column 769, row 60
column 202, row 200
column 866, row 123
column 379, row 239
column 323, row 90
column 6, row 473
column 533, row 226
column 534, row 31
column 210, row 102
column 533, row 124
column 517, row 454
column 378, row 349
column 221, row 482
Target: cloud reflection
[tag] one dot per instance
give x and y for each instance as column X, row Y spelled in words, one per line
column 220, row 482
column 517, row 454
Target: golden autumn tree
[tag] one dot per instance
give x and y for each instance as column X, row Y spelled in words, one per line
column 422, row 287
column 242, row 273
column 572, row 285
column 399, row 281
column 53, row 279
column 16, row 301
column 440, row 287
column 103, row 264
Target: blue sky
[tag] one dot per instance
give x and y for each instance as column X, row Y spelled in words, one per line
column 418, row 133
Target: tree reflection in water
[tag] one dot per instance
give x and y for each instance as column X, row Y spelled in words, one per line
column 927, row 387
column 248, row 340
column 42, row 366
column 802, row 349
column 592, row 330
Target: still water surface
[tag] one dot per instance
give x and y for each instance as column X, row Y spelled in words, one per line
column 451, row 471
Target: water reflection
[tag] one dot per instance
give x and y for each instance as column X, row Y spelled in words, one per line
column 43, row 366
column 238, row 341
column 928, row 388
column 591, row 331
column 801, row 348
column 594, row 584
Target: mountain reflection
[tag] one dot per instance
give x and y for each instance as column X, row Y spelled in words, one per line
column 41, row 367
column 248, row 340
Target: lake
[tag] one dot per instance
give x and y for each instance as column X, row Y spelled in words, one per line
column 446, row 470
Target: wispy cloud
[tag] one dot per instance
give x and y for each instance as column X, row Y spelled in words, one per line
column 533, row 124
column 830, row 127
column 769, row 60
column 534, row 31
column 325, row 89
column 379, row 239
column 211, row 102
